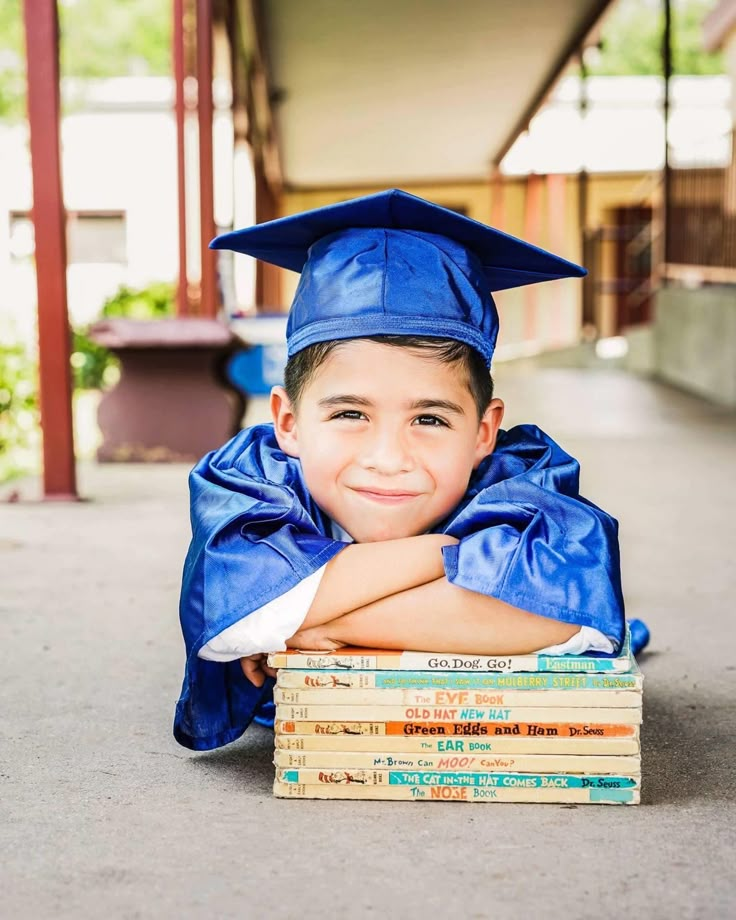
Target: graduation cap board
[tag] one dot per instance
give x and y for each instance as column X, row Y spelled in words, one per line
column 395, row 264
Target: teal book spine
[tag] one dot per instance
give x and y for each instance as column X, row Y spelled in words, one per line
column 602, row 783
column 456, row 680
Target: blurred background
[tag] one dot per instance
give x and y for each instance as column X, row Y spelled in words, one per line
column 131, row 133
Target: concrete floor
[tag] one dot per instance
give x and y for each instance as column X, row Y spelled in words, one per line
column 104, row 816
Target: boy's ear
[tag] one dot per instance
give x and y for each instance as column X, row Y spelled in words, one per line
column 488, row 430
column 284, row 421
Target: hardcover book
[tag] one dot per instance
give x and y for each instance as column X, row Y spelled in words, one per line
column 443, row 744
column 457, row 680
column 510, row 763
column 456, row 794
column 458, row 698
column 350, row 658
column 423, row 729
column 592, row 715
column 497, row 780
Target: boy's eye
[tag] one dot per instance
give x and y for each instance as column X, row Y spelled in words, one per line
column 349, row 414
column 432, row 420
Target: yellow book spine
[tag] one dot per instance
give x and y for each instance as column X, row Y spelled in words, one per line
column 594, row 715
column 626, row 699
column 514, row 744
column 456, row 794
column 627, row 765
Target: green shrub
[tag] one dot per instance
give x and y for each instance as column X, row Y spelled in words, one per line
column 18, row 411
column 93, row 365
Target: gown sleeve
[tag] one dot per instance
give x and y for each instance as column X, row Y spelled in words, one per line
column 527, row 537
column 256, row 533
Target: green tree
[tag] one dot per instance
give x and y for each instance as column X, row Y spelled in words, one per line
column 99, row 38
column 631, row 39
column 12, row 64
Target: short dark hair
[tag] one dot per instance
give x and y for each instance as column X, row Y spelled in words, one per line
column 301, row 367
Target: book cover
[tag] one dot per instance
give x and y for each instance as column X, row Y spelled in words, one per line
column 425, row 729
column 462, row 698
column 510, row 763
column 456, row 680
column 505, row 744
column 456, row 794
column 350, row 658
column 497, row 780
column 473, row 714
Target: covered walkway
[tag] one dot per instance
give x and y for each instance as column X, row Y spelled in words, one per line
column 105, row 816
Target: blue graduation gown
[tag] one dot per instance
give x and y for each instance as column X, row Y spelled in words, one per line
column 526, row 537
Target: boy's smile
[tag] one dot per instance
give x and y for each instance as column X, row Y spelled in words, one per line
column 387, row 438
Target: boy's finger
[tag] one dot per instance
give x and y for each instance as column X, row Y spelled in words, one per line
column 252, row 670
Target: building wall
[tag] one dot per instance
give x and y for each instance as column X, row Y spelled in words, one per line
column 694, row 339
column 536, row 317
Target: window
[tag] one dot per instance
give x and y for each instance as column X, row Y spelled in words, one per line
column 91, row 237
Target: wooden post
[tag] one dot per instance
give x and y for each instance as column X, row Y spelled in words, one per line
column 556, row 214
column 268, row 277
column 49, row 219
column 182, row 290
column 205, row 113
column 588, row 320
column 532, row 234
column 666, row 224
column 498, row 202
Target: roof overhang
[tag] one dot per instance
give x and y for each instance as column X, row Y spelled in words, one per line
column 392, row 90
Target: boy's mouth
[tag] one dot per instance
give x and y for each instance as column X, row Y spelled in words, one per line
column 386, row 496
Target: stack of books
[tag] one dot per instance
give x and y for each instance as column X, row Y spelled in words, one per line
column 375, row 724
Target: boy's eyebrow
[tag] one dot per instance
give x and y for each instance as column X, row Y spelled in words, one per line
column 341, row 398
column 438, row 404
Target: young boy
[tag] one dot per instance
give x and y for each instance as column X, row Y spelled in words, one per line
column 385, row 507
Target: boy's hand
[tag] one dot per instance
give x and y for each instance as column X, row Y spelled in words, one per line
column 314, row 638
column 256, row 669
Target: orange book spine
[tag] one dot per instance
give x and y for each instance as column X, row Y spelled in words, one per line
column 459, row 729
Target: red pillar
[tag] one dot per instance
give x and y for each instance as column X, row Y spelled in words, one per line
column 268, row 277
column 205, row 111
column 498, row 202
column 556, row 214
column 532, row 234
column 49, row 219
column 182, row 290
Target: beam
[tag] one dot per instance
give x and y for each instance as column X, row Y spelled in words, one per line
column 182, row 289
column 568, row 52
column 666, row 168
column 49, row 219
column 268, row 277
column 205, row 114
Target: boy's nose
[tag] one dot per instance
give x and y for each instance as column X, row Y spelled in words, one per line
column 387, row 453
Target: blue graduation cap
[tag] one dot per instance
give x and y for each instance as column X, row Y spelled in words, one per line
column 395, row 264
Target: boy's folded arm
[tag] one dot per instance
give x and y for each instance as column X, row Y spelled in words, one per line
column 440, row 617
column 363, row 573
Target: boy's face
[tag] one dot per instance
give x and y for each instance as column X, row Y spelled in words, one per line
column 387, row 438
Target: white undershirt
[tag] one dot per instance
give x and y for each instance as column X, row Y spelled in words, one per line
column 268, row 627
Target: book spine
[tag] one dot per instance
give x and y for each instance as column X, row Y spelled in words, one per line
column 457, row 794
column 510, row 744
column 421, row 661
column 594, row 715
column 511, row 763
column 455, row 680
column 462, row 729
column 405, row 697
column 456, row 778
